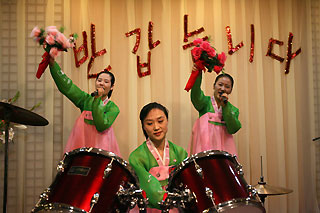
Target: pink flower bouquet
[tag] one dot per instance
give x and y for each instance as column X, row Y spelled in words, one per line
column 205, row 57
column 53, row 41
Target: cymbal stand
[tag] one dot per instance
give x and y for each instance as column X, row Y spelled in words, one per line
column 10, row 113
column 5, row 180
column 262, row 182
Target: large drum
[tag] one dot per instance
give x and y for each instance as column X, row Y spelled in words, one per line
column 214, row 180
column 91, row 180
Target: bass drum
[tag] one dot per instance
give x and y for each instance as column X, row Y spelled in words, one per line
column 215, row 182
column 91, row 180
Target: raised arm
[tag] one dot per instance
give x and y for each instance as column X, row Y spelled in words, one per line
column 66, row 87
column 198, row 99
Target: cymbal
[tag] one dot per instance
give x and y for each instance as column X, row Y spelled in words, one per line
column 11, row 113
column 265, row 189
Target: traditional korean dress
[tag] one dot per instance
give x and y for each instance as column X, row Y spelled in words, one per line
column 214, row 128
column 153, row 171
column 93, row 128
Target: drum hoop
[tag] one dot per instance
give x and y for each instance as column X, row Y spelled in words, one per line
column 199, row 156
column 57, row 206
column 239, row 202
column 211, row 209
column 106, row 154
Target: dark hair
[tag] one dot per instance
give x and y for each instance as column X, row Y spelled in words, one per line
column 224, row 75
column 145, row 111
column 113, row 79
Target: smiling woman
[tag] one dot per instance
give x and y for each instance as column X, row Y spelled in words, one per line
column 104, row 84
column 153, row 159
column 93, row 128
column 155, row 126
column 218, row 118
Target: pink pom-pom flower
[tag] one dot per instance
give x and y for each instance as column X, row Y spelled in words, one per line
column 52, row 30
column 196, row 53
column 222, row 58
column 50, row 39
column 54, row 52
column 35, row 32
column 204, row 52
column 197, row 41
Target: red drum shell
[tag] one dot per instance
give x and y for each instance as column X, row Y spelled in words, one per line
column 83, row 177
column 221, row 176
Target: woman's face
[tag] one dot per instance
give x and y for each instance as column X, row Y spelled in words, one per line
column 156, row 125
column 104, row 82
column 223, row 85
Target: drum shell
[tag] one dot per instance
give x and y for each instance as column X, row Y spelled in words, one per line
column 83, row 176
column 220, row 175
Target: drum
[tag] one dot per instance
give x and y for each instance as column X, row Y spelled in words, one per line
column 214, row 180
column 91, row 180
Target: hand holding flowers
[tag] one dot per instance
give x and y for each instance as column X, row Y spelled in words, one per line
column 204, row 57
column 53, row 41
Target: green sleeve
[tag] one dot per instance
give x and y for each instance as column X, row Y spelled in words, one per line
column 230, row 115
column 138, row 159
column 177, row 154
column 201, row 102
column 104, row 116
column 66, row 87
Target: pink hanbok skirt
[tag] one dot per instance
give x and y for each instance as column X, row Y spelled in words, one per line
column 209, row 136
column 86, row 135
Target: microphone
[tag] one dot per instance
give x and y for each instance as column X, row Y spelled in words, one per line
column 315, row 139
column 224, row 98
column 95, row 93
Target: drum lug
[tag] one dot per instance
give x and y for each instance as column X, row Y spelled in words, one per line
column 142, row 202
column 238, row 166
column 252, row 191
column 187, row 196
column 44, row 197
column 45, row 194
column 108, row 170
column 239, row 170
column 198, row 169
column 132, row 196
column 176, row 199
column 94, row 200
column 209, row 194
column 61, row 166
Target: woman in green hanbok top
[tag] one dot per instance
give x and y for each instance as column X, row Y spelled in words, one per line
column 153, row 159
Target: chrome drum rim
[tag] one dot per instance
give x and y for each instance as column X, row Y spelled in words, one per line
column 234, row 203
column 57, row 207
